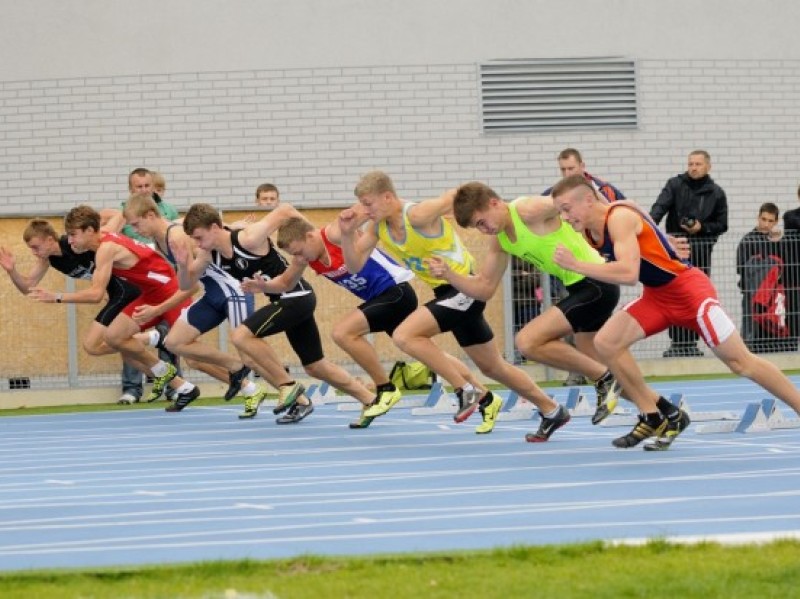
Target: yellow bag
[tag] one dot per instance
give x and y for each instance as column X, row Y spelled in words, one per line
column 412, row 375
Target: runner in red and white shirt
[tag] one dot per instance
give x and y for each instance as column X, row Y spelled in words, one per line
column 161, row 298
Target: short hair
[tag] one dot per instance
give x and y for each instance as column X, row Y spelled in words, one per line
column 374, row 182
column 265, row 187
column 140, row 204
column 469, row 199
column 567, row 184
column 159, row 182
column 769, row 208
column 294, row 229
column 201, row 215
column 570, row 153
column 139, row 172
column 702, row 153
column 81, row 218
column 39, row 227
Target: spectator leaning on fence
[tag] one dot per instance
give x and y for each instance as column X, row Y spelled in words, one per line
column 697, row 208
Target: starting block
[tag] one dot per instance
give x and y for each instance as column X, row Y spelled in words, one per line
column 775, row 417
column 516, row 408
column 757, row 418
column 577, row 404
column 438, row 401
column 679, row 400
column 754, row 420
column 324, row 394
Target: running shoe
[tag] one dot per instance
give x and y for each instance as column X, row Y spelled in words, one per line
column 235, row 382
column 608, row 390
column 183, row 399
column 467, row 404
column 548, row 426
column 288, row 395
column 489, row 414
column 386, row 400
column 252, row 403
column 363, row 420
column 640, row 432
column 160, row 383
column 296, row 413
column 127, row 399
column 675, row 426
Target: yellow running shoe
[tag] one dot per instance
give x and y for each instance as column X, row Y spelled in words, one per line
column 489, row 414
column 386, row 400
column 288, row 395
column 160, row 383
column 363, row 420
column 252, row 403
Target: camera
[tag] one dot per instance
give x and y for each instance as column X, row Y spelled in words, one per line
column 688, row 221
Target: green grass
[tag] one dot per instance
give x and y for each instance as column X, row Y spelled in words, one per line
column 590, row 570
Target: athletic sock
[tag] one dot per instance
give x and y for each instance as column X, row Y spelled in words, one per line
column 667, row 408
column 159, row 369
column 249, row 389
column 654, row 419
column 389, row 387
column 486, row 399
column 553, row 413
column 606, row 376
column 185, row 388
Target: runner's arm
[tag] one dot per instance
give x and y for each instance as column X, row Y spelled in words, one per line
column 481, row 286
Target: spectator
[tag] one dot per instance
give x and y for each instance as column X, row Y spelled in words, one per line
column 570, row 162
column 696, row 207
column 791, row 218
column 760, row 252
column 267, row 198
column 141, row 180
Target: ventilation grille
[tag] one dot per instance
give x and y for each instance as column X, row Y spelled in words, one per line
column 537, row 95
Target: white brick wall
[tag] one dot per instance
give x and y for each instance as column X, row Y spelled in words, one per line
column 314, row 131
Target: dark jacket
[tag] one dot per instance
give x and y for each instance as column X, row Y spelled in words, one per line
column 791, row 219
column 707, row 203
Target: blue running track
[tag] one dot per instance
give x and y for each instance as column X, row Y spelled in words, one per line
column 145, row 486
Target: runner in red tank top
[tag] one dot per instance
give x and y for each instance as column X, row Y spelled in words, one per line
column 161, row 298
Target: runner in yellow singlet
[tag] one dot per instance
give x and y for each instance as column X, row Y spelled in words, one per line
column 416, row 233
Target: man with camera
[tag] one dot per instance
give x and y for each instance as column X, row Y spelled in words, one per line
column 696, row 208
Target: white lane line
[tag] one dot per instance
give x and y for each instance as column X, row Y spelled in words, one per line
column 268, row 536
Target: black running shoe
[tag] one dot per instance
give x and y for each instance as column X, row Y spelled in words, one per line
column 235, row 382
column 183, row 400
column 296, row 413
column 639, row 433
column 548, row 426
column 675, row 426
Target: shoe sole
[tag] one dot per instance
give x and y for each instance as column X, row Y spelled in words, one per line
column 360, row 425
column 465, row 414
column 306, row 415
